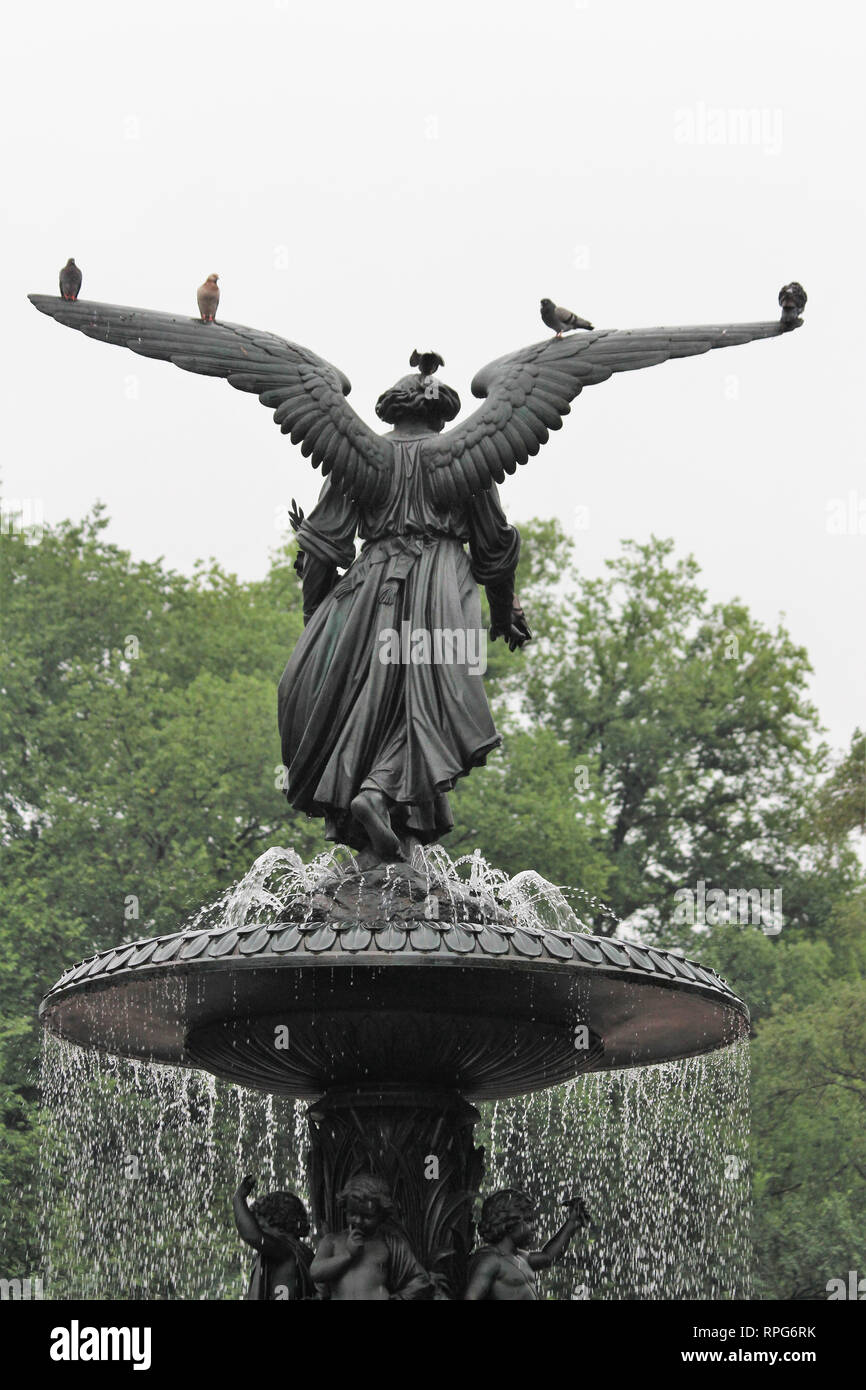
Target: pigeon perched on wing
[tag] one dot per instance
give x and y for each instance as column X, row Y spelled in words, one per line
column 792, row 299
column 208, row 298
column 70, row 280
column 560, row 320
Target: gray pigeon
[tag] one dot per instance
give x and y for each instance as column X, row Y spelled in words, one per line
column 792, row 299
column 426, row 362
column 208, row 297
column 70, row 280
column 560, row 320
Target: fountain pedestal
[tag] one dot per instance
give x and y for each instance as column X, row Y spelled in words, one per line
column 421, row 1142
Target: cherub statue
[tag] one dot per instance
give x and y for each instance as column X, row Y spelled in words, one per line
column 275, row 1226
column 371, row 1259
column 503, row 1269
column 370, row 743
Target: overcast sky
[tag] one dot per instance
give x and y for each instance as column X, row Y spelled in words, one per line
column 367, row 178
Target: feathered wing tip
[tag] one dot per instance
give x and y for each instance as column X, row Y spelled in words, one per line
column 306, row 394
column 528, row 393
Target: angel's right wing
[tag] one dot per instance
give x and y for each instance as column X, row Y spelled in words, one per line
column 307, row 394
column 528, row 393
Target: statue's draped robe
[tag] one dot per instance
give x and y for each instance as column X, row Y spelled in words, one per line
column 349, row 719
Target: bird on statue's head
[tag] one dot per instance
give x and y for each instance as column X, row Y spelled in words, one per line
column 420, row 399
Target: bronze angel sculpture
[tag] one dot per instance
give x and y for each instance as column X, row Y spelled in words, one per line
column 370, row 743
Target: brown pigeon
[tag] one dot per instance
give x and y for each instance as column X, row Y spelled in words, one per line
column 208, row 298
column 560, row 320
column 70, row 280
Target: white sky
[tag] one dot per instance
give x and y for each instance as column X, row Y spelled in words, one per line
column 367, row 178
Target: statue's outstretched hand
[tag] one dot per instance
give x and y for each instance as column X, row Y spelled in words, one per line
column 578, row 1212
column 514, row 629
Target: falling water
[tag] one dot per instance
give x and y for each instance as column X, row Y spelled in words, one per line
column 660, row 1156
column 139, row 1162
column 138, row 1167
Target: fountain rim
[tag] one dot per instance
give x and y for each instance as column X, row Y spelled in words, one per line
column 683, row 973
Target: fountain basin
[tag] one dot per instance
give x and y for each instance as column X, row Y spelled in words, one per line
column 487, row 1008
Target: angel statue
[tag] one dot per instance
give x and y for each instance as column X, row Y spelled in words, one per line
column 381, row 706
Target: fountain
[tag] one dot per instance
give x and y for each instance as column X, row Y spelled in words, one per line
column 389, row 990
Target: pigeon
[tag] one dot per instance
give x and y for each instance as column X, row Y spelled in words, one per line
column 792, row 299
column 70, row 280
column 208, row 298
column 560, row 320
column 426, row 362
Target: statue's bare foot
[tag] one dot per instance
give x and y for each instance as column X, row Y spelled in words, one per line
column 370, row 809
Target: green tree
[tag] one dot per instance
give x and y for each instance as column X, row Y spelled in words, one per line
column 695, row 718
column 809, row 1143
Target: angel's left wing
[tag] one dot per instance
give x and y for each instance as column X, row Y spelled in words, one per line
column 307, row 394
column 529, row 392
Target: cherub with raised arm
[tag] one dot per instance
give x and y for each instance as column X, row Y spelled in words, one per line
column 503, row 1269
column 275, row 1226
column 371, row 1259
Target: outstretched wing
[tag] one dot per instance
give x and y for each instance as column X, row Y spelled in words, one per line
column 307, row 394
column 529, row 392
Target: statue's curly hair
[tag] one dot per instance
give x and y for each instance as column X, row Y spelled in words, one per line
column 364, row 1187
column 284, row 1211
column 502, row 1211
column 419, row 398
